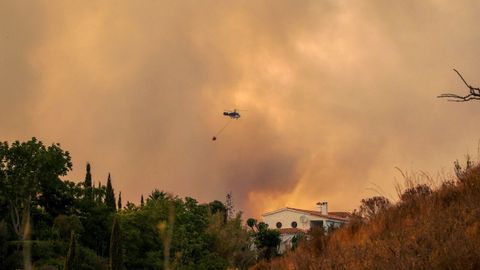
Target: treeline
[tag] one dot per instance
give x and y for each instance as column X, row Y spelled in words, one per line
column 428, row 228
column 48, row 223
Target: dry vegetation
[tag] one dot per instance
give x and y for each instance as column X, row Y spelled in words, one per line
column 427, row 229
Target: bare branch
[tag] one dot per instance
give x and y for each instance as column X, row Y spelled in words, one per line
column 449, row 96
column 474, row 92
column 462, row 78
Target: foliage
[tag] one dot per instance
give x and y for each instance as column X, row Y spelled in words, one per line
column 88, row 184
column 266, row 240
column 70, row 260
column 251, row 222
column 371, row 207
column 110, row 195
column 88, row 177
column 229, row 205
column 199, row 239
column 231, row 241
column 65, row 225
column 30, row 171
column 116, row 252
column 3, row 241
column 119, row 205
column 416, row 192
column 96, row 220
column 74, row 225
column 217, row 207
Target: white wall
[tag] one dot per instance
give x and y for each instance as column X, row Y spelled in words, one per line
column 286, row 217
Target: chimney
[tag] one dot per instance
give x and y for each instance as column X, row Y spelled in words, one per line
column 322, row 207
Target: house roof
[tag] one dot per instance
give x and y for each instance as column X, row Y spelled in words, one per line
column 341, row 216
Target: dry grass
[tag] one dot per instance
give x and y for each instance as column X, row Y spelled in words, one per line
column 426, row 229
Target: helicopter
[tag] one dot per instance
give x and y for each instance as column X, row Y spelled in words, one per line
column 232, row 114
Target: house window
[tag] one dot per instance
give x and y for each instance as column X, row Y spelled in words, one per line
column 294, row 224
column 279, row 225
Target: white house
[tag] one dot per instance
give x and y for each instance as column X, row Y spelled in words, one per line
column 292, row 221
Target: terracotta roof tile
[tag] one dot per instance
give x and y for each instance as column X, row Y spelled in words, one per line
column 343, row 216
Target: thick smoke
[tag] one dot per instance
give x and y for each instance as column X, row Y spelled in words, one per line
column 336, row 93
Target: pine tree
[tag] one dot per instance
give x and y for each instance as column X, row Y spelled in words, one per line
column 115, row 261
column 70, row 259
column 88, row 177
column 142, row 203
column 119, row 201
column 110, row 196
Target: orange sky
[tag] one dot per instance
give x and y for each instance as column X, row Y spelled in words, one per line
column 338, row 93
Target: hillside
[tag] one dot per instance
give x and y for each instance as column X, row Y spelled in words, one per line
column 428, row 228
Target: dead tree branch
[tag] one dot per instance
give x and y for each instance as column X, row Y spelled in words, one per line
column 474, row 92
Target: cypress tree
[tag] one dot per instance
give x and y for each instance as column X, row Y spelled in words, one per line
column 119, row 201
column 115, row 260
column 88, row 177
column 98, row 192
column 141, row 201
column 110, row 196
column 88, row 184
column 70, row 259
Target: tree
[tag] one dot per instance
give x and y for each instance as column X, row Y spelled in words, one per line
column 88, row 185
column 110, row 196
column 218, row 207
column 65, row 225
column 57, row 198
column 180, row 238
column 371, row 207
column 130, row 206
column 97, row 222
column 416, row 192
column 229, row 205
column 119, row 201
column 142, row 203
column 116, row 255
column 27, row 169
column 70, row 260
column 474, row 93
column 266, row 240
column 99, row 193
column 462, row 173
column 88, row 177
column 251, row 222
column 156, row 195
column 232, row 241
